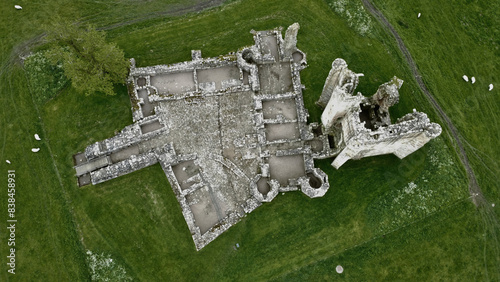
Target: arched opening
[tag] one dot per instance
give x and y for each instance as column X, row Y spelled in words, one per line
column 141, row 81
column 263, row 186
column 247, row 55
column 314, row 181
column 297, row 57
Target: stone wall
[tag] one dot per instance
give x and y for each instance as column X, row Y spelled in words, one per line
column 232, row 132
column 361, row 127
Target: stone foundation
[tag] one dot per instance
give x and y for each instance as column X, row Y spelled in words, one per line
column 231, row 132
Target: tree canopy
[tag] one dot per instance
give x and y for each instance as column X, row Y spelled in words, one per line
column 91, row 63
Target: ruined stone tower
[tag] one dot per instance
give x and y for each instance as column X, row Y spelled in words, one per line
column 361, row 127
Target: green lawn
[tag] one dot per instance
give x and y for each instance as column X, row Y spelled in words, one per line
column 457, row 39
column 383, row 218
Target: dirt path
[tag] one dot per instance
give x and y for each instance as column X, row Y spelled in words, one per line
column 171, row 12
column 492, row 226
column 475, row 191
column 25, row 47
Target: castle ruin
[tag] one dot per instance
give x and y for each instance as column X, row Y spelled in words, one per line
column 231, row 132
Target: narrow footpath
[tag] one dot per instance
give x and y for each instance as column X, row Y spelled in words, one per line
column 475, row 191
column 491, row 224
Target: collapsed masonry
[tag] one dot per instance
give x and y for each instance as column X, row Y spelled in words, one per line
column 231, row 132
column 360, row 127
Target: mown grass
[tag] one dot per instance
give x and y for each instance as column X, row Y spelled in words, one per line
column 398, row 255
column 462, row 38
column 137, row 221
column 47, row 243
column 457, row 39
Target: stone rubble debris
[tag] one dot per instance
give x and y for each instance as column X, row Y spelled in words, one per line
column 232, row 132
column 361, row 127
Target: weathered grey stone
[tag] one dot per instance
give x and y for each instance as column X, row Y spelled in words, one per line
column 231, row 132
column 361, row 127
column 291, row 40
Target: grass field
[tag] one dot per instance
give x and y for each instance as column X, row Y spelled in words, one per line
column 474, row 27
column 383, row 218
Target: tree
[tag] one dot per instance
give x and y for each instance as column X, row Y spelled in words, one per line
column 92, row 64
